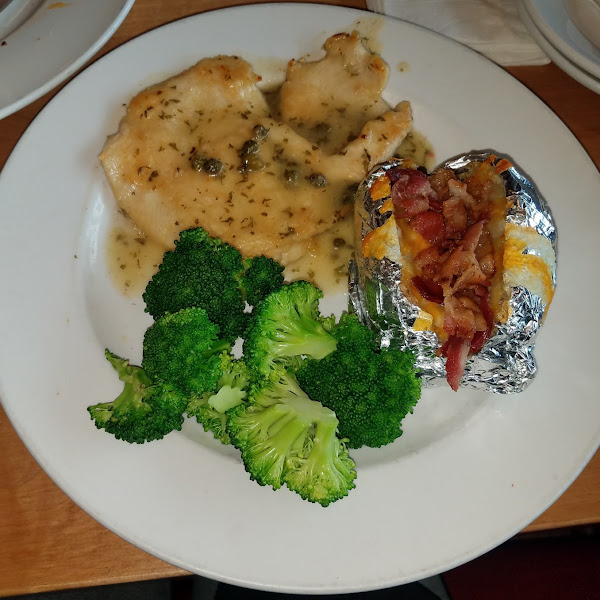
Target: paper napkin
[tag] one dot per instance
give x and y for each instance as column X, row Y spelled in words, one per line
column 491, row 27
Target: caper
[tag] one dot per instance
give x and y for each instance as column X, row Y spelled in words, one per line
column 197, row 161
column 339, row 243
column 290, row 176
column 254, row 163
column 213, row 166
column 259, row 132
column 322, row 130
column 249, row 147
column 317, row 179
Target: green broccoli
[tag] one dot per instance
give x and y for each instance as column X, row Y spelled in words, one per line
column 207, row 272
column 370, row 390
column 262, row 276
column 285, row 326
column 210, row 409
column 183, row 350
column 285, row 437
column 201, row 271
column 143, row 411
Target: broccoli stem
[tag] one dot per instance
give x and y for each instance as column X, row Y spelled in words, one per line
column 227, row 398
column 313, row 344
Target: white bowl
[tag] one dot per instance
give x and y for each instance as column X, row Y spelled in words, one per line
column 585, row 15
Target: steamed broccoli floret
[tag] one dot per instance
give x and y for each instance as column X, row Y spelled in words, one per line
column 370, row 390
column 143, row 411
column 210, row 409
column 285, row 437
column 285, row 326
column 207, row 272
column 262, row 276
column 182, row 349
column 201, row 271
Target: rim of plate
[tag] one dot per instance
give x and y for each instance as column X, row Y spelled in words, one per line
column 569, row 67
column 564, row 46
column 71, row 68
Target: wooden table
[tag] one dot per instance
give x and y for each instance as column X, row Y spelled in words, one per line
column 46, row 541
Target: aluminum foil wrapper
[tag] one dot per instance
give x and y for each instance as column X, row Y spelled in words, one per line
column 506, row 363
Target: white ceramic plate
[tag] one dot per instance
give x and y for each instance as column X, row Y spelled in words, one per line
column 44, row 42
column 551, row 18
column 470, row 470
column 585, row 15
column 561, row 61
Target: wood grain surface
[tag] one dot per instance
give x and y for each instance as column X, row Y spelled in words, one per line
column 49, row 543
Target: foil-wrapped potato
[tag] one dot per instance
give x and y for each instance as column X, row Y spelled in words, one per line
column 458, row 265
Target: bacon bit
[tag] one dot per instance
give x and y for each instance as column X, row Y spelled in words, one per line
column 431, row 260
column 487, row 264
column 479, row 191
column 439, row 180
column 435, row 205
column 472, row 236
column 458, row 189
column 411, row 192
column 429, row 289
column 430, row 225
column 415, row 183
column 478, row 341
column 466, row 274
column 486, row 310
column 452, row 266
column 460, row 317
column 394, row 174
column 456, row 351
column 455, row 215
column 454, row 271
column 410, row 207
column 481, row 337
